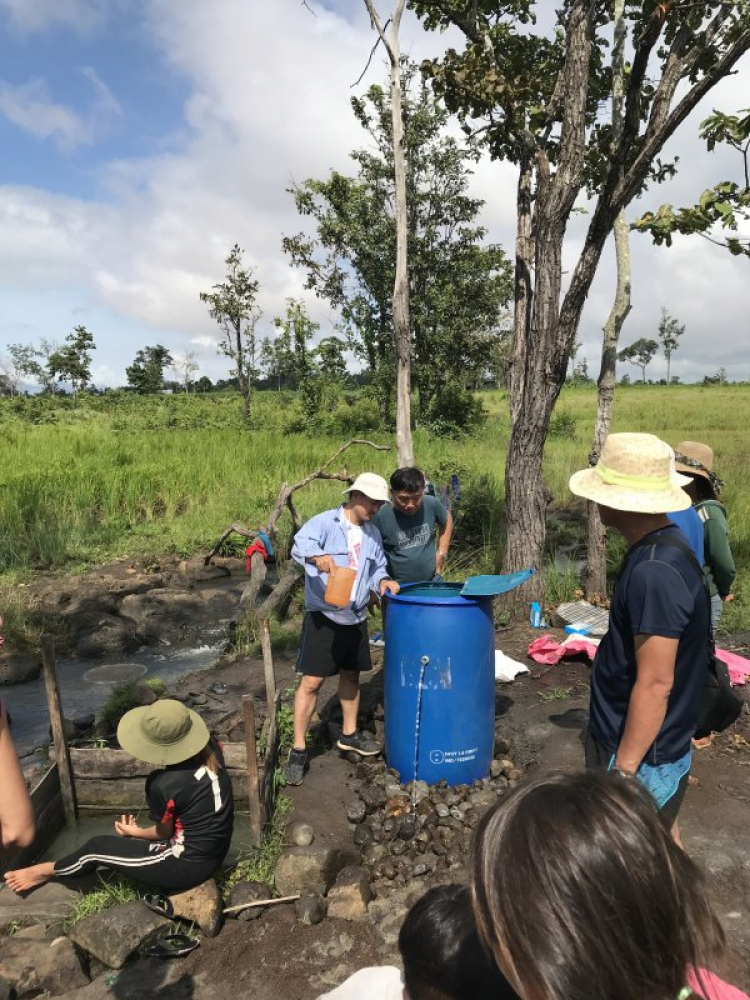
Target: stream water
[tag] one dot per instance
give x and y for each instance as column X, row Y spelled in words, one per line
column 85, row 686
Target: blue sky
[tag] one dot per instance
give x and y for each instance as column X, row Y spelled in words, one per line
column 141, row 141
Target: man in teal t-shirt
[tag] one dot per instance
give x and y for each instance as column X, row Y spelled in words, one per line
column 408, row 526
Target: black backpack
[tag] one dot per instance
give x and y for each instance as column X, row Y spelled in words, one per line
column 720, row 706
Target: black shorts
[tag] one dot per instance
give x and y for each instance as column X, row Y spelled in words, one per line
column 597, row 756
column 327, row 647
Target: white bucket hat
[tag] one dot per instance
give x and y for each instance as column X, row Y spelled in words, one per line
column 635, row 473
column 372, row 485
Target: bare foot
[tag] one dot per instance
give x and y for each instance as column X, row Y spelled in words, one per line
column 24, row 879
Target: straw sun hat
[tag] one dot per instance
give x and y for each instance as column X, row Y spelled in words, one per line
column 635, row 473
column 163, row 733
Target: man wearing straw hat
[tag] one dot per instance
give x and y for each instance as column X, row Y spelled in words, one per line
column 334, row 636
column 650, row 668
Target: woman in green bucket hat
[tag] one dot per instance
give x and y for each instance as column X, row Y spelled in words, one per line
column 190, row 804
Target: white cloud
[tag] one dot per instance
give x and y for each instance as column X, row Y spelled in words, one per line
column 31, row 16
column 30, row 107
column 269, row 86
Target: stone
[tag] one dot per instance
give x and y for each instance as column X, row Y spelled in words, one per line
column 514, row 775
column 114, row 935
column 310, row 869
column 160, row 612
column 310, row 908
column 248, row 891
column 350, row 894
column 37, row 932
column 505, row 766
column 393, row 788
column 390, row 925
column 408, row 828
column 198, row 699
column 202, row 906
column 373, row 854
column 32, row 967
column 300, row 834
column 484, row 799
column 15, row 668
column 58, row 968
column 46, row 905
column 502, row 746
column 144, row 695
column 103, row 634
column 362, row 836
column 195, row 570
column 496, row 768
column 373, row 797
column 442, row 809
column 84, row 722
column 356, row 811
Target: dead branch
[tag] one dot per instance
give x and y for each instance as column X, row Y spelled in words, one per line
column 285, row 495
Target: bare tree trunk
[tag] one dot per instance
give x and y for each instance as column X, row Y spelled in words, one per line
column 535, row 380
column 596, row 568
column 401, row 326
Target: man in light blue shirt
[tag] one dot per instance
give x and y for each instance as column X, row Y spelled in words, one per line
column 334, row 637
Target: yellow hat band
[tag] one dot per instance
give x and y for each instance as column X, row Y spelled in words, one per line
column 613, row 478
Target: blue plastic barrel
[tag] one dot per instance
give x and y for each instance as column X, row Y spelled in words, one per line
column 439, row 684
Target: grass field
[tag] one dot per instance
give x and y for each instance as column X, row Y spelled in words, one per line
column 121, row 475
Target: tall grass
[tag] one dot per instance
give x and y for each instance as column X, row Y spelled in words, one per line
column 119, row 475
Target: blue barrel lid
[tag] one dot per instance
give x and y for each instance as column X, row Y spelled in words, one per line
column 434, row 593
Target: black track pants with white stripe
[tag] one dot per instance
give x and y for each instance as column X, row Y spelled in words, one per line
column 149, row 861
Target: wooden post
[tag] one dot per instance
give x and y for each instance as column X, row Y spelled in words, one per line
column 268, row 668
column 62, row 754
column 253, row 780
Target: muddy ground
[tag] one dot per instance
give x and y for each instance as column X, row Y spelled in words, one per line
column 543, row 717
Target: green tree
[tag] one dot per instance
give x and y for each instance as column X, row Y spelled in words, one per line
column 457, row 284
column 146, row 374
column 639, row 353
column 297, row 329
column 330, row 357
column 724, row 205
column 540, row 101
column 276, row 358
column 23, row 362
column 232, row 304
column 670, row 331
column 72, row 362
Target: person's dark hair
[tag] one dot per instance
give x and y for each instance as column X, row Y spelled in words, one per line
column 704, row 489
column 580, row 891
column 210, row 757
column 407, row 480
column 442, row 954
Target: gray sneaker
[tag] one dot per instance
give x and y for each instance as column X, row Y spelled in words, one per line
column 296, row 766
column 358, row 743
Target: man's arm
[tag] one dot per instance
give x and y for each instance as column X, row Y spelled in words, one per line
column 655, row 658
column 309, row 547
column 445, row 533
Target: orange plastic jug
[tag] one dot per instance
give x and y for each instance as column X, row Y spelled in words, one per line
column 340, row 583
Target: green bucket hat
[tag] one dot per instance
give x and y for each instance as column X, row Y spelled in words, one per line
column 163, row 733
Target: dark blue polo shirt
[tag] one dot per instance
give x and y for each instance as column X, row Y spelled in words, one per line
column 658, row 592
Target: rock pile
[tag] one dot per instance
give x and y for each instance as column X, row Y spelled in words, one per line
column 415, row 830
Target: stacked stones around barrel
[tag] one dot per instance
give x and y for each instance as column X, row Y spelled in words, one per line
column 416, row 830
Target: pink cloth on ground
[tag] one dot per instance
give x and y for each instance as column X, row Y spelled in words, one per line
column 711, row 987
column 546, row 649
column 738, row 666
